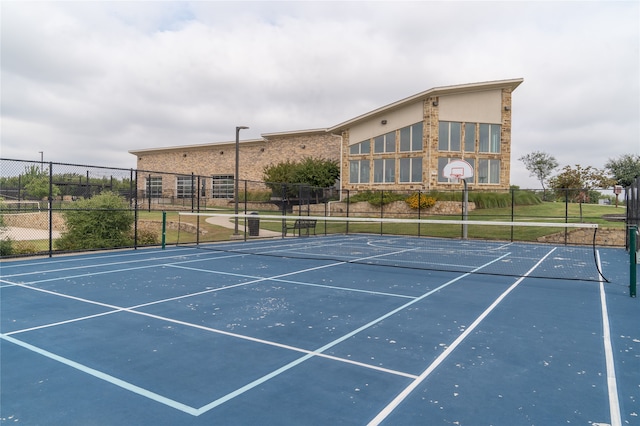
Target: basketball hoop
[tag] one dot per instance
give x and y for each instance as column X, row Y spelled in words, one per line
column 456, row 170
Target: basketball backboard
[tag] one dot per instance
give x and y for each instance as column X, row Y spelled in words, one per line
column 457, row 169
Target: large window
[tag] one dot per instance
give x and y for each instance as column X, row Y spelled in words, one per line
column 153, row 187
column 384, row 170
column 488, row 171
column 223, row 186
column 411, row 170
column 411, row 138
column 489, row 138
column 359, row 171
column 469, row 137
column 385, row 143
column 184, row 187
column 360, row 148
column 449, row 135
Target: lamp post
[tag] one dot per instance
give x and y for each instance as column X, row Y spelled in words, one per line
column 41, row 161
column 237, row 177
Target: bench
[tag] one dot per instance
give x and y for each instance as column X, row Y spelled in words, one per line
column 301, row 224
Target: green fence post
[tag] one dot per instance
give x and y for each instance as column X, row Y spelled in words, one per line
column 633, row 260
column 164, row 229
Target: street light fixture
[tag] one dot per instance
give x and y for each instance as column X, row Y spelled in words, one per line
column 41, row 161
column 237, row 177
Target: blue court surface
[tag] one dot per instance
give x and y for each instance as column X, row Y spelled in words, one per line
column 254, row 333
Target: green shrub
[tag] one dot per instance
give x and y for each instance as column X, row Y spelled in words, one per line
column 24, row 247
column 6, row 247
column 377, row 198
column 103, row 221
column 147, row 237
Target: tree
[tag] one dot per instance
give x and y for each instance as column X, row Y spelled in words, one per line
column 36, row 183
column 103, row 221
column 539, row 164
column 314, row 172
column 578, row 183
column 624, row 169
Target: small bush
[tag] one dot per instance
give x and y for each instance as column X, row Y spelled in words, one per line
column 377, row 198
column 147, row 237
column 24, row 247
column 103, row 221
column 420, row 201
column 6, row 247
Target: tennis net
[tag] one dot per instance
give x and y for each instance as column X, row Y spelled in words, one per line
column 481, row 247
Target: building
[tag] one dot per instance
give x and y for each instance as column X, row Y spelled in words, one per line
column 401, row 146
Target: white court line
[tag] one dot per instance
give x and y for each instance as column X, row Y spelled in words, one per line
column 329, row 345
column 103, row 376
column 445, row 354
column 612, row 386
column 167, row 401
column 100, row 265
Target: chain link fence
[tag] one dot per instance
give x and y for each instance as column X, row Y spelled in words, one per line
column 48, row 208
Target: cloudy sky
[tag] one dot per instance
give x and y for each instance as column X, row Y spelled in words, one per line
column 85, row 82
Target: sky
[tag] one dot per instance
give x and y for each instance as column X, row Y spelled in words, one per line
column 85, row 82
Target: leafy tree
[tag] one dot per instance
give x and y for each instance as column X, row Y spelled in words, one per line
column 624, row 169
column 539, row 164
column 317, row 172
column 36, row 182
column 103, row 221
column 313, row 172
column 579, row 182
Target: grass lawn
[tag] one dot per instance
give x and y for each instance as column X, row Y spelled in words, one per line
column 545, row 212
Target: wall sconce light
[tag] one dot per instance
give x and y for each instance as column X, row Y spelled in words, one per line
column 383, row 122
column 507, row 108
column 302, row 146
column 221, row 152
column 435, row 103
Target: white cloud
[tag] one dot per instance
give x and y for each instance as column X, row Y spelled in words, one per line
column 87, row 81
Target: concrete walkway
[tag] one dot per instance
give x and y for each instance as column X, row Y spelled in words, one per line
column 25, row 234
column 225, row 222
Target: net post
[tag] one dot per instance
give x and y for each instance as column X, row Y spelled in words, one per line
column 164, row 229
column 633, row 260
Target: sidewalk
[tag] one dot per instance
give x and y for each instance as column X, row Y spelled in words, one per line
column 224, row 222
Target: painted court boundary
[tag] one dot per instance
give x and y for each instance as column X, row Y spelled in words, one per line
column 614, row 405
column 198, row 411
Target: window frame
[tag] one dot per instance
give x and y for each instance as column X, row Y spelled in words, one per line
column 445, row 137
column 181, row 192
column 411, row 139
column 493, row 166
column 411, row 174
column 222, row 187
column 388, row 173
column 360, row 172
column 489, row 138
column 153, row 187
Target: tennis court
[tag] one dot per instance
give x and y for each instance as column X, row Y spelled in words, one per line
column 322, row 330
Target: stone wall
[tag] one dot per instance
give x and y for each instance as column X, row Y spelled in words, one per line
column 36, row 220
column 156, row 226
column 604, row 237
column 398, row 209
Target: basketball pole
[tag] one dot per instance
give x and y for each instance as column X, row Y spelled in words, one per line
column 465, row 208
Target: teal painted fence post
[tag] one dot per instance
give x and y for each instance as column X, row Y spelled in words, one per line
column 164, row 229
